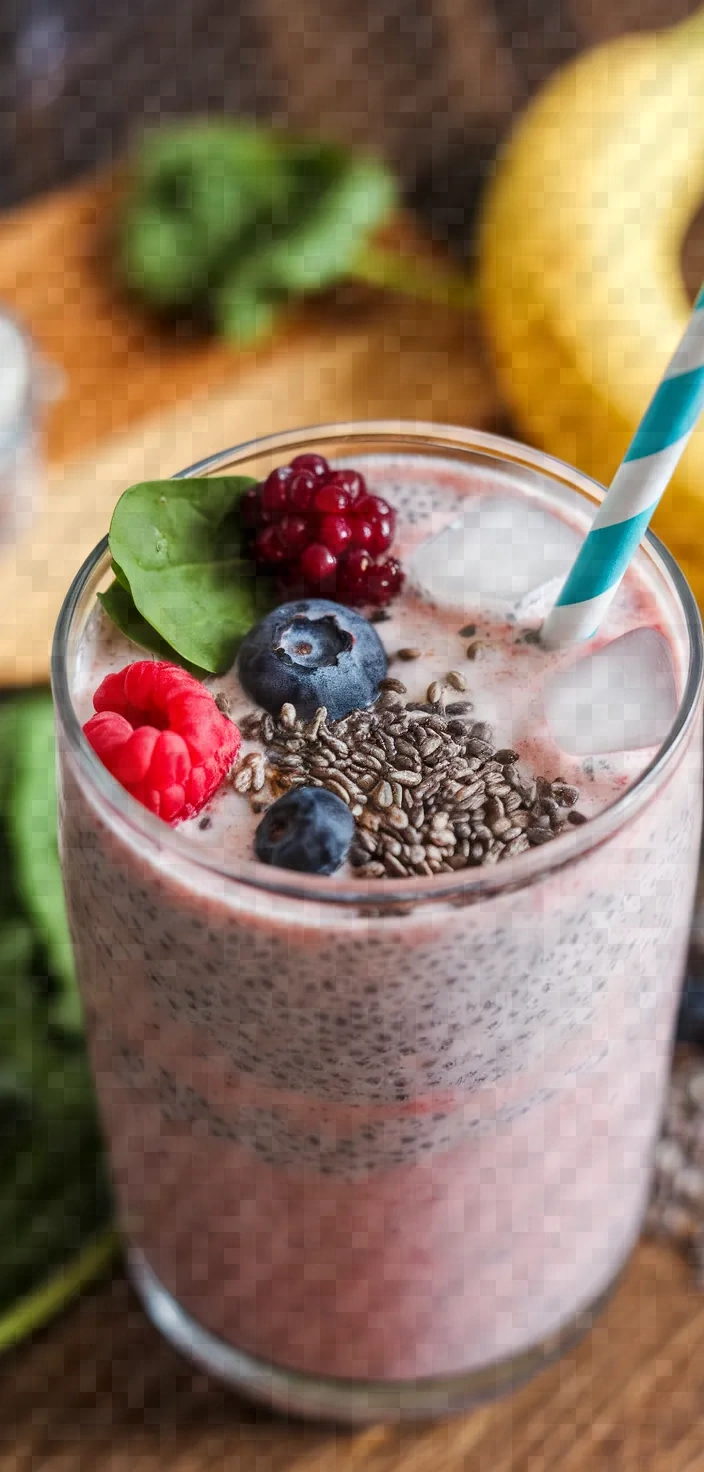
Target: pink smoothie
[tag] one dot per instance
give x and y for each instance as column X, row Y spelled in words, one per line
column 376, row 1141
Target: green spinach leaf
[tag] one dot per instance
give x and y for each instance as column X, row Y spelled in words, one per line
column 241, row 220
column 32, row 831
column 119, row 605
column 178, row 544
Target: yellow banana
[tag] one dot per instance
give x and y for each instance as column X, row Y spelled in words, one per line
column 580, row 279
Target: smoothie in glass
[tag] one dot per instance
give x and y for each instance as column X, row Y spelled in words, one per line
column 381, row 1139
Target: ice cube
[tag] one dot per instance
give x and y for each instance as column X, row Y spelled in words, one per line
column 494, row 555
column 622, row 697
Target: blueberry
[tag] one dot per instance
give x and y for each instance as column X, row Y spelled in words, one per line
column 312, row 653
column 309, row 830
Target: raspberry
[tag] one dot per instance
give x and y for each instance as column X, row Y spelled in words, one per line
column 302, row 489
column 295, row 532
column 384, row 581
column 373, row 508
column 161, row 735
column 352, row 577
column 318, row 565
column 335, row 533
column 274, row 495
column 313, row 463
column 382, row 535
column 362, row 533
column 350, row 481
column 270, row 548
column 310, row 523
column 332, row 499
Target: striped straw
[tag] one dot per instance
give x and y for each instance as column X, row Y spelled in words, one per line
column 635, row 491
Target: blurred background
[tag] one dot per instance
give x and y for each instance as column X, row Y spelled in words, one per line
column 432, row 84
column 158, row 331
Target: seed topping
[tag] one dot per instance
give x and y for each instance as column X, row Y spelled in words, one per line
column 428, row 790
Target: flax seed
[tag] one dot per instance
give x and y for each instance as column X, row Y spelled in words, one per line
column 382, row 795
column 537, row 836
column 366, row 781
column 518, row 845
column 338, row 790
column 344, row 781
column 390, row 700
column 476, row 747
column 370, row 821
column 396, row 818
column 242, row 781
column 313, row 728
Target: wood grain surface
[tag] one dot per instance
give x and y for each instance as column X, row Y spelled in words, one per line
column 99, row 1390
column 356, row 354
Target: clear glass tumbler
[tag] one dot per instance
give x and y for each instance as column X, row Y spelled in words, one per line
column 381, row 1149
column 27, row 385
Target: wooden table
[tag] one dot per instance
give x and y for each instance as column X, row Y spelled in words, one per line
column 99, row 1390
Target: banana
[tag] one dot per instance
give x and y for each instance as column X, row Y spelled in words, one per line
column 580, row 282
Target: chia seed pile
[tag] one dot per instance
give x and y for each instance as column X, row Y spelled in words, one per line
column 427, row 789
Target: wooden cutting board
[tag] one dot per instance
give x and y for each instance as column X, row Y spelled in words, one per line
column 99, row 1391
column 142, row 401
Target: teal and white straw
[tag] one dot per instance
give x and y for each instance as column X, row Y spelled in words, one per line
column 634, row 494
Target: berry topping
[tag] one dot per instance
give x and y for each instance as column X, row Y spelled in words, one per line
column 350, row 481
column 302, row 491
column 384, row 581
column 309, row 830
column 335, row 533
column 362, row 533
column 274, row 493
column 312, row 653
column 314, row 463
column 270, row 547
column 318, row 565
column 161, row 735
column 354, row 575
column 333, row 499
column 295, row 532
column 307, row 521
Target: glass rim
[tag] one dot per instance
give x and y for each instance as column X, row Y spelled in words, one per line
column 16, row 426
column 463, row 886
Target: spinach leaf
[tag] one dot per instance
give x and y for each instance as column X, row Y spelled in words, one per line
column 334, row 202
column 119, row 605
column 18, row 1009
column 197, row 188
column 241, row 219
column 32, row 832
column 178, row 544
column 54, row 1194
column 338, row 200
